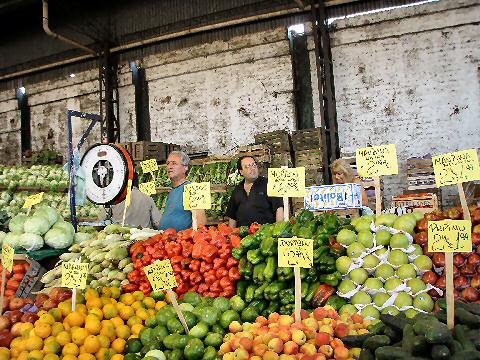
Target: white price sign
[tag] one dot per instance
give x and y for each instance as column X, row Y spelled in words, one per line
column 330, row 197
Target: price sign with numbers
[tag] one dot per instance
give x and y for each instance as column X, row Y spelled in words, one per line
column 377, row 161
column 294, row 252
column 7, row 257
column 74, row 275
column 149, row 166
column 289, row 182
column 450, row 236
column 327, row 197
column 148, row 188
column 197, row 196
column 160, row 275
column 33, row 200
column 456, row 167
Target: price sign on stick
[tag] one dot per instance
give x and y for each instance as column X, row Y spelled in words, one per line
column 161, row 277
column 32, row 200
column 328, row 197
column 377, row 161
column 128, row 200
column 450, row 236
column 74, row 275
column 456, row 167
column 148, row 188
column 197, row 196
column 288, row 182
column 7, row 262
column 149, row 166
column 295, row 252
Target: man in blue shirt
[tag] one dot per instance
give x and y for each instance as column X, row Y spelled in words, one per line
column 175, row 216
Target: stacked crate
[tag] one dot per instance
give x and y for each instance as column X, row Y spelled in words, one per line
column 421, row 180
column 145, row 150
column 279, row 145
column 308, row 150
column 260, row 152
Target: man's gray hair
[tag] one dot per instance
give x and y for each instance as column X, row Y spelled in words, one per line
column 184, row 158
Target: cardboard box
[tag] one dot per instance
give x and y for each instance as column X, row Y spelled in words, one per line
column 31, row 282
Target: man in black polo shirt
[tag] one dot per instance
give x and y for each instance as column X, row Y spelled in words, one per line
column 249, row 202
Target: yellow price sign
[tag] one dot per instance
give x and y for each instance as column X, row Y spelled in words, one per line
column 149, row 166
column 288, row 182
column 456, row 167
column 293, row 252
column 128, row 199
column 74, row 275
column 450, row 236
column 148, row 188
column 7, row 257
column 160, row 275
column 377, row 161
column 197, row 196
column 33, row 200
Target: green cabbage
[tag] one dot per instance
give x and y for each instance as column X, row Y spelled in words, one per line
column 36, row 225
column 47, row 212
column 17, row 223
column 65, row 226
column 57, row 238
column 31, row 242
column 80, row 236
column 13, row 240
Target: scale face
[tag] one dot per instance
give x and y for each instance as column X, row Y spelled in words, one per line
column 106, row 174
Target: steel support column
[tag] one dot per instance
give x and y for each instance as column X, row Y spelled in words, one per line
column 109, row 106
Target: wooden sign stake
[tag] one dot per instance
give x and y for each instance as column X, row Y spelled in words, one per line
column 194, row 220
column 2, row 292
column 378, row 196
column 178, row 310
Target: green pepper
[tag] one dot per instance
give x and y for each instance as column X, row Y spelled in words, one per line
column 237, row 253
column 287, row 309
column 329, row 279
column 248, row 242
column 271, row 268
column 338, row 275
column 272, row 290
column 264, row 232
column 287, row 296
column 272, row 307
column 307, row 230
column 331, row 222
column 259, row 305
column 318, row 252
column 242, row 288
column 312, row 275
column 279, row 228
column 268, row 246
column 304, row 216
column 243, row 231
column 249, row 314
column 326, row 264
column 304, row 290
column 320, row 240
column 303, row 273
column 296, row 229
column 336, row 302
column 258, row 295
column 312, row 289
column 284, row 273
column 259, row 273
column 245, row 268
column 254, row 256
column 250, row 293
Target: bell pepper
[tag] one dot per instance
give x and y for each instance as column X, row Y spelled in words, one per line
column 172, row 248
column 254, row 256
column 304, row 216
column 194, row 265
column 234, row 274
column 287, row 296
column 303, row 273
column 231, row 262
column 326, row 264
column 225, row 252
column 268, row 246
column 284, row 273
column 319, row 251
column 336, row 302
column 225, row 282
column 237, row 253
column 272, row 307
column 245, row 268
column 235, row 240
column 243, row 231
column 221, row 272
column 242, row 288
column 322, row 230
column 329, row 279
column 270, row 268
column 195, row 278
column 209, row 253
column 304, row 291
column 273, row 289
column 198, row 248
column 249, row 242
column 312, row 275
column 320, row 240
column 287, row 309
column 218, row 263
column 259, row 273
column 331, row 222
column 307, row 230
column 279, row 228
column 259, row 291
column 254, row 228
column 249, row 293
column 259, row 305
column 296, row 229
column 312, row 290
column 187, row 248
column 324, row 291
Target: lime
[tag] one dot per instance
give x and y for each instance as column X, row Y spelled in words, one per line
column 194, row 350
column 133, row 346
column 175, row 326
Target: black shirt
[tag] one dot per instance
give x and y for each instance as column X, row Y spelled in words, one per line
column 254, row 207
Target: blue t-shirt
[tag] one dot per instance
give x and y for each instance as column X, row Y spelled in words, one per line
column 174, row 215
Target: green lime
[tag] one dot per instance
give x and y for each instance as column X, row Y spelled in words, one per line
column 194, row 350
column 175, row 326
column 157, row 295
column 133, row 346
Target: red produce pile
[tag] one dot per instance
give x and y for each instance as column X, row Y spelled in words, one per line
column 466, row 267
column 201, row 260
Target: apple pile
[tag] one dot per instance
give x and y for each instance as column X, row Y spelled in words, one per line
column 54, row 297
column 466, row 267
column 382, row 271
column 316, row 337
column 18, row 310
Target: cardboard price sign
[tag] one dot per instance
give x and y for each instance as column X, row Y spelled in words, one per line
column 456, row 167
column 149, row 166
column 148, row 188
column 328, row 197
column 74, row 275
column 33, row 200
column 377, row 161
column 295, row 252
column 160, row 275
column 289, row 182
column 197, row 196
column 128, row 199
column 7, row 257
column 450, row 236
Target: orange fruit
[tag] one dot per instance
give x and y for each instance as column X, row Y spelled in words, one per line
column 97, row 312
column 42, row 329
column 149, row 303
column 33, row 343
column 35, row 355
column 117, row 357
column 70, row 349
column 65, row 307
column 138, row 295
column 79, row 335
column 57, row 328
column 119, row 345
column 115, row 292
column 69, row 357
column 56, row 313
column 52, row 347
column 51, row 357
column 104, row 341
column 91, row 293
column 93, row 324
column 127, row 299
column 134, row 320
column 86, row 356
column 126, row 312
column 49, row 318
column 92, row 344
column 75, row 318
column 94, row 302
column 109, row 311
column 117, row 321
column 63, row 338
column 123, row 331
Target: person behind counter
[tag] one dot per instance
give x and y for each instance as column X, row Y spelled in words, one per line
column 142, row 211
column 249, row 202
column 175, row 216
column 342, row 173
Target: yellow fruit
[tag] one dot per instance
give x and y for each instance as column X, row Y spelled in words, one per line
column 108, row 330
column 91, row 293
column 75, row 318
column 117, row 357
column 123, row 331
column 134, row 320
column 137, row 305
column 103, row 354
column 56, row 313
column 63, row 338
column 104, row 341
column 127, row 299
column 92, row 344
column 151, row 313
column 97, row 312
column 167, row 297
column 109, row 311
column 105, row 301
column 115, row 292
column 159, row 305
column 25, row 328
column 106, row 292
column 69, row 357
column 117, row 321
column 52, row 347
column 49, row 318
column 136, row 329
column 49, row 340
column 65, row 307
column 57, row 328
column 82, row 308
column 41, row 312
column 51, row 357
column 93, row 324
column 126, row 312
column 70, row 349
column 79, row 335
column 15, row 353
column 138, row 295
column 33, row 343
column 35, row 355
column 119, row 345
column 94, row 302
column 142, row 314
column 42, row 329
column 149, row 302
column 86, row 356
column 80, row 298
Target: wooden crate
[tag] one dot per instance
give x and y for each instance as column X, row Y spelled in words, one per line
column 307, row 139
column 278, row 140
column 280, row 159
column 127, row 146
column 314, row 177
column 260, row 152
column 309, row 158
column 420, row 202
column 144, row 150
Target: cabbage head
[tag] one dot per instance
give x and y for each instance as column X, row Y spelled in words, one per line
column 13, row 240
column 36, row 225
column 79, row 237
column 16, row 223
column 58, row 239
column 31, row 242
column 65, row 226
column 47, row 212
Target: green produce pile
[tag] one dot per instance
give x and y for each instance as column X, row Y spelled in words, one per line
column 422, row 337
column 49, row 177
column 267, row 288
column 208, row 320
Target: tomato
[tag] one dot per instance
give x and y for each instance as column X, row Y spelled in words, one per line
column 18, row 268
column 12, row 284
column 130, row 287
column 18, row 276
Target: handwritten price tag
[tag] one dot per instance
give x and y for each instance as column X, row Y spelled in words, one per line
column 294, row 252
column 148, row 188
column 457, row 167
column 288, row 182
column 7, row 257
column 377, row 161
column 450, row 236
column 128, row 199
column 161, row 276
column 33, row 200
column 74, row 275
column 197, row 196
column 149, row 166
column 340, row 196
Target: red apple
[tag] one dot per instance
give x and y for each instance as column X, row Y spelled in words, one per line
column 429, row 277
column 476, row 229
column 5, row 338
column 467, row 270
column 422, row 225
column 460, row 283
column 454, row 214
column 4, row 323
column 470, row 294
column 40, row 299
column 456, row 272
column 475, row 216
column 475, row 238
column 474, row 259
column 441, row 282
column 475, row 281
column 16, row 303
column 29, row 317
column 456, row 294
column 458, row 260
column 16, row 329
column 49, row 304
column 438, row 259
column 15, row 316
column 421, row 238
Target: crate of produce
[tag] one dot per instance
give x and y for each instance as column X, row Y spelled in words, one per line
column 309, row 158
column 278, row 140
column 307, row 139
column 31, row 281
column 420, row 202
column 260, row 152
column 144, row 150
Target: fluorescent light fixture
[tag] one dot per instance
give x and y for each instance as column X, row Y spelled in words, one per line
column 298, row 28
